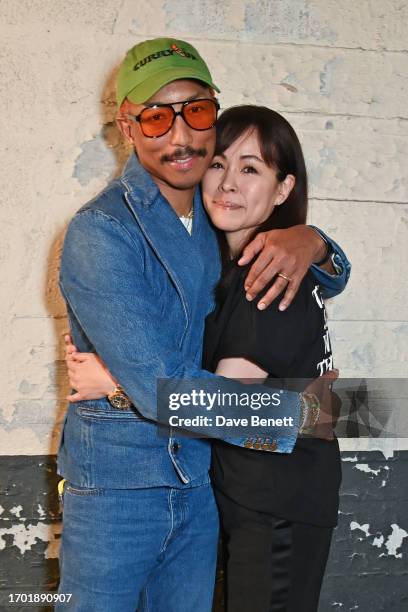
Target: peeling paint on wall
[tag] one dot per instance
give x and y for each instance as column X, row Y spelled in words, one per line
column 378, row 541
column 326, row 75
column 363, row 467
column 16, row 510
column 395, row 540
column 364, row 528
column 24, row 536
column 94, row 161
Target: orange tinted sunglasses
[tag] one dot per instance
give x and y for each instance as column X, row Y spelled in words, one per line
column 158, row 119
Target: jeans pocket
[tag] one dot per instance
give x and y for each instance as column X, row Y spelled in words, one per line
column 82, row 491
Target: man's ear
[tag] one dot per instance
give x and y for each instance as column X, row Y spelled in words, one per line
column 285, row 187
column 124, row 123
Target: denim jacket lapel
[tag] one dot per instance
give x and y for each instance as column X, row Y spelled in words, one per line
column 179, row 252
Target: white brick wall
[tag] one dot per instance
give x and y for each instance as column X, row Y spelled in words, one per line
column 337, row 70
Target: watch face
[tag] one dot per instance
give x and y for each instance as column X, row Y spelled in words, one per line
column 121, row 402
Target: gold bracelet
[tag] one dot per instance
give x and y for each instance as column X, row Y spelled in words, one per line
column 310, row 414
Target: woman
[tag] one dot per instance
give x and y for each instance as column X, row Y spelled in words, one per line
column 277, row 511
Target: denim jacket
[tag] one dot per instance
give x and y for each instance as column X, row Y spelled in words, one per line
column 138, row 288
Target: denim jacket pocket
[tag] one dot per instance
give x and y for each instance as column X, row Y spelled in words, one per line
column 102, row 411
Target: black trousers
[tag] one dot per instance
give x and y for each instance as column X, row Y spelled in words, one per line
column 272, row 565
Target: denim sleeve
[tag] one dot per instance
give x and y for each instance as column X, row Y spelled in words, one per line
column 103, row 284
column 332, row 284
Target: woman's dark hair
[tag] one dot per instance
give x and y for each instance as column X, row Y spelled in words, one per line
column 280, row 148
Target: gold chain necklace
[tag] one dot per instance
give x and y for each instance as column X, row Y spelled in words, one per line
column 189, row 217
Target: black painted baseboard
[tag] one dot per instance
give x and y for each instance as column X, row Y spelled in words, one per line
column 368, row 564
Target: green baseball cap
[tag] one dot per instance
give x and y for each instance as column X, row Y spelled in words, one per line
column 151, row 64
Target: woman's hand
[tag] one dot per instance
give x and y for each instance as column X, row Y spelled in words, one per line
column 289, row 252
column 87, row 374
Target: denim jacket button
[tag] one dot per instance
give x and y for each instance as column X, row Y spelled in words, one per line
column 175, row 447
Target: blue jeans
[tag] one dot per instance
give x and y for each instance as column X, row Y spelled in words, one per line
column 148, row 549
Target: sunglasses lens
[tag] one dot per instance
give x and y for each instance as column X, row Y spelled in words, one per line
column 200, row 114
column 156, row 121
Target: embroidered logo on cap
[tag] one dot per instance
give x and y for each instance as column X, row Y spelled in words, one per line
column 177, row 49
column 165, row 53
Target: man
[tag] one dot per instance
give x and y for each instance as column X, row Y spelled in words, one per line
column 140, row 523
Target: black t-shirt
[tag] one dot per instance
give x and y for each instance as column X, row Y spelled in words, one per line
column 302, row 486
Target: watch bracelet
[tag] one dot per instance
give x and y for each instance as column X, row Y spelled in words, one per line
column 309, row 411
column 303, row 412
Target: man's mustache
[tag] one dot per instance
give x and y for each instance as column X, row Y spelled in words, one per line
column 184, row 153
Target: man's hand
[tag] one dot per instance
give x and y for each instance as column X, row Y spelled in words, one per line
column 87, row 374
column 329, row 406
column 289, row 253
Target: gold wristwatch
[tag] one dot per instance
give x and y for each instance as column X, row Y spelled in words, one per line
column 118, row 399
